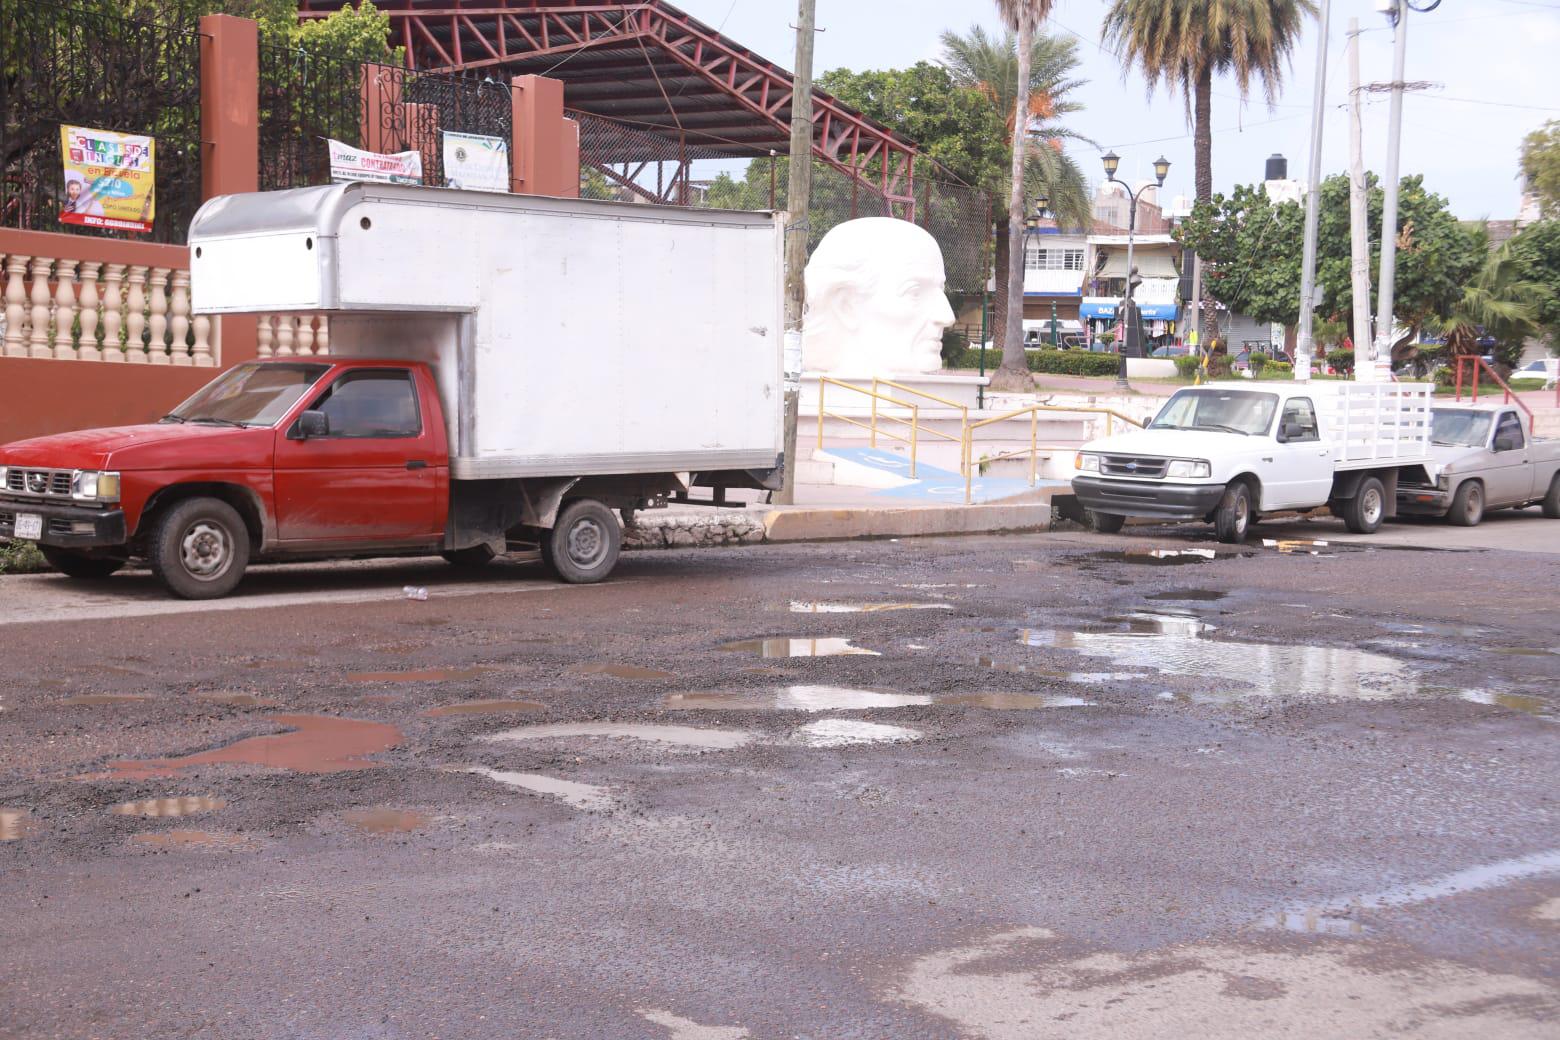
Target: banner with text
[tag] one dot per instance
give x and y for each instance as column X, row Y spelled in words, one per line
column 354, row 164
column 475, row 162
column 109, row 180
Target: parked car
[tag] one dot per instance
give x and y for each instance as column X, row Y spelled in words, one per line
column 1485, row 459
column 1171, row 350
column 1544, row 368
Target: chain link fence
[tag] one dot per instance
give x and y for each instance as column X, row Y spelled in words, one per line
column 61, row 64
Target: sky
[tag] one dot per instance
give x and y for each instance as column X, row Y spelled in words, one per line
column 1489, row 62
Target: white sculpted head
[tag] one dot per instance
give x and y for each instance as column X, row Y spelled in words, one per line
column 875, row 302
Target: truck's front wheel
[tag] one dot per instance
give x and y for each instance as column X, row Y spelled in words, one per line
column 1232, row 518
column 1467, row 505
column 1363, row 513
column 1106, row 523
column 199, row 548
column 583, row 545
column 79, row 565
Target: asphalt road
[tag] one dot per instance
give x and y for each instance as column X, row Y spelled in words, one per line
column 1080, row 791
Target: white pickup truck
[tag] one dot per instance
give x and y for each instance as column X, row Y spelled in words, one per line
column 1229, row 452
column 1485, row 459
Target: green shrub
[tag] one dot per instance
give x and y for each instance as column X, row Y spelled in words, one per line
column 1258, row 361
column 1277, row 370
column 1056, row 362
column 1342, row 361
column 20, row 558
column 1186, row 365
column 954, row 343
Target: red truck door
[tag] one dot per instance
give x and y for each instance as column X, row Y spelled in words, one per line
column 379, row 476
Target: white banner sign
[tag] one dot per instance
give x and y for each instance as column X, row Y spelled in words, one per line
column 475, row 162
column 354, row 164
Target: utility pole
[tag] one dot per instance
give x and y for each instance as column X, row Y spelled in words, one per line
column 1389, row 207
column 1359, row 236
column 1306, row 347
column 798, row 196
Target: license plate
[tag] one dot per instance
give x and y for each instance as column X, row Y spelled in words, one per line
column 29, row 525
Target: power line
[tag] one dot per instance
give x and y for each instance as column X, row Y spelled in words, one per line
column 1496, row 104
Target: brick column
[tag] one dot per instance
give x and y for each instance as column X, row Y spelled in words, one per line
column 230, row 136
column 545, row 152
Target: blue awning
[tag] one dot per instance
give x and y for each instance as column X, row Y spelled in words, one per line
column 1158, row 311
column 1096, row 309
column 1106, row 309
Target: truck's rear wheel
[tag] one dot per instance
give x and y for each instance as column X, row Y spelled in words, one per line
column 583, row 545
column 1364, row 512
column 199, row 548
column 1467, row 505
column 1106, row 523
column 73, row 564
column 1232, row 518
column 1551, row 503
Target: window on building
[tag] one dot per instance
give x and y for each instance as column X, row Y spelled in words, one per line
column 1037, row 259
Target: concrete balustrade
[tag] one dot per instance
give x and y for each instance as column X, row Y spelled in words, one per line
column 87, row 310
column 293, row 335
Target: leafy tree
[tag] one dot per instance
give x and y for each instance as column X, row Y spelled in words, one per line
column 1541, row 166
column 1537, row 249
column 1251, row 251
column 1499, row 302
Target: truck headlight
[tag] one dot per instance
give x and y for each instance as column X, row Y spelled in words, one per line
column 1086, row 463
column 4, row 477
column 1189, row 468
column 90, row 485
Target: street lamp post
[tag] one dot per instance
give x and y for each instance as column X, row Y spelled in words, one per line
column 1112, row 163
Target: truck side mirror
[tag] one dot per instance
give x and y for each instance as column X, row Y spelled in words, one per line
column 1290, row 431
column 312, row 424
column 1508, row 440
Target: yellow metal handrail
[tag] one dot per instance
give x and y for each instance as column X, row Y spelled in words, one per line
column 914, row 422
column 967, row 452
column 963, row 409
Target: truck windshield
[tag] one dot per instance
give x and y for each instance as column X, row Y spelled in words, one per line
column 1225, row 411
column 1460, row 428
column 249, row 395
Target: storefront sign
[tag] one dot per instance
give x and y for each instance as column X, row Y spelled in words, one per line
column 475, row 162
column 354, row 164
column 108, row 179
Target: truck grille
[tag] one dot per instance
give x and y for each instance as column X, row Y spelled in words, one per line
column 1133, row 466
column 55, row 482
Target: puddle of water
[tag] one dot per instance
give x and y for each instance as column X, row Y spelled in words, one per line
column 1525, row 703
column 1190, row 595
column 1154, row 557
column 844, row 698
column 1176, row 645
column 15, row 824
column 1521, row 651
column 484, row 708
column 1434, row 628
column 582, row 796
column 622, row 671
column 386, row 821
column 684, row 736
column 237, row 700
column 187, row 839
column 813, row 607
column 830, row 647
column 1295, row 546
column 312, row 744
column 833, row 733
column 798, row 698
column 420, row 675
column 106, row 698
column 1318, row 922
column 187, row 805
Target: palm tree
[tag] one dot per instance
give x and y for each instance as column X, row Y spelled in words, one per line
column 1183, row 44
column 1499, row 302
column 991, row 64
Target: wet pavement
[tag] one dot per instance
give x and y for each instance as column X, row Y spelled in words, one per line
column 1061, row 786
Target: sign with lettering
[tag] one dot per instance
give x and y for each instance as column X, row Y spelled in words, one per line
column 109, row 179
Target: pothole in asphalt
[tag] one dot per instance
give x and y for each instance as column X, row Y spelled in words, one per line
column 784, row 647
column 313, row 744
column 1296, row 546
column 485, row 708
column 188, row 839
column 682, row 736
column 582, row 796
column 1525, row 703
column 622, row 671
column 386, row 821
column 186, row 805
column 1015, row 668
column 832, row 733
column 421, row 675
column 817, row 607
column 15, row 824
column 107, row 698
column 844, row 698
column 1521, row 651
column 1153, row 557
column 1190, row 595
column 237, row 700
column 1313, row 921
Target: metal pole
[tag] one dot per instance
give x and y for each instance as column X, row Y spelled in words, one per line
column 1389, row 206
column 798, row 198
column 1359, row 233
column 1126, row 299
column 1305, row 348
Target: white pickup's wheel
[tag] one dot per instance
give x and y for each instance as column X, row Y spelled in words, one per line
column 1232, row 518
column 1364, row 512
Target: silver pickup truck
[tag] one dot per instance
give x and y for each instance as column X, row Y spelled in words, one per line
column 1485, row 459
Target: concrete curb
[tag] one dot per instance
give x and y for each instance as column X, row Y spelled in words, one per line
column 716, row 529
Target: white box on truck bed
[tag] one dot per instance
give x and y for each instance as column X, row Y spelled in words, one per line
column 567, row 336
